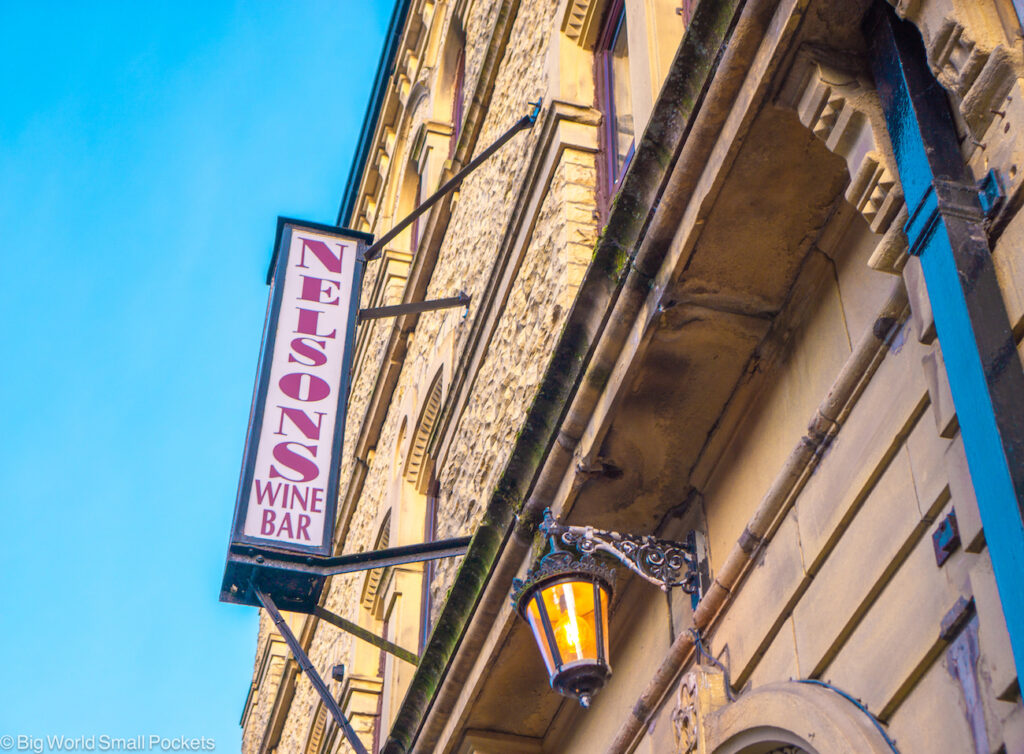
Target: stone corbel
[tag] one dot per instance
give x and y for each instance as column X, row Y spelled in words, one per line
column 836, row 100
column 701, row 693
column 436, row 141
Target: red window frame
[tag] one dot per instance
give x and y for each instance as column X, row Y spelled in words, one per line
column 610, row 179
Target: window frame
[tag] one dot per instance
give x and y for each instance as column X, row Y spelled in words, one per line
column 458, row 100
column 609, row 179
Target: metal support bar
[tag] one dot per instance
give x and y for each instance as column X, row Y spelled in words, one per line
column 453, row 183
column 362, row 561
column 947, row 231
column 307, row 667
column 418, row 307
column 361, row 633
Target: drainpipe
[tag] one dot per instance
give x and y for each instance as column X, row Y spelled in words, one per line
column 947, row 231
column 801, row 462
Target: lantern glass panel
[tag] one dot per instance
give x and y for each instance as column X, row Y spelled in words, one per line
column 571, row 610
column 533, row 617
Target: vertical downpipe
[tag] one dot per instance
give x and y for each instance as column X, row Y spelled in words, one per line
column 946, row 230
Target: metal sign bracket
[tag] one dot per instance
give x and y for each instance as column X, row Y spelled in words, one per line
column 418, row 307
column 527, row 121
column 371, row 638
column 307, row 667
column 266, row 566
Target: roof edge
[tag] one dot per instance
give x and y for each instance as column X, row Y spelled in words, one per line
column 380, row 86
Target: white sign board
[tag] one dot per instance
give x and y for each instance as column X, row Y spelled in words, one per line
column 289, row 484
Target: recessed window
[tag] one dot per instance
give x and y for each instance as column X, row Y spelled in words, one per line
column 615, row 94
column 457, row 100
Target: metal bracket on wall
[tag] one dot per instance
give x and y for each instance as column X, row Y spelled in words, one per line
column 990, row 193
column 360, row 561
column 663, row 563
column 307, row 667
column 527, row 121
column 374, row 250
column 418, row 307
column 361, row 633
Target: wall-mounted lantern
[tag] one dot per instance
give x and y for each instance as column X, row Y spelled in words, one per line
column 566, row 595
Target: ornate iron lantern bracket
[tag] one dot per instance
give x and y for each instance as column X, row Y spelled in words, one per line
column 664, row 563
column 566, row 595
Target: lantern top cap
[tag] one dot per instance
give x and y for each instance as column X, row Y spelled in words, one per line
column 560, row 565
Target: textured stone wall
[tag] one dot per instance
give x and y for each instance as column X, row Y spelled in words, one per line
column 259, row 714
column 518, row 354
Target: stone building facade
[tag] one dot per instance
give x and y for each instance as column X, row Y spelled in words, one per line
column 699, row 301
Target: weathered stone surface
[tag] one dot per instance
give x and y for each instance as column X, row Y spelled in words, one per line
column 942, row 408
column 759, row 603
column 875, row 427
column 899, row 636
column 858, row 566
column 927, row 462
column 862, row 289
column 552, row 265
column 779, row 662
column 920, row 305
column 932, row 718
column 996, row 661
column 777, row 418
column 962, row 491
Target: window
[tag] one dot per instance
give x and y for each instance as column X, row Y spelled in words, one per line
column 457, row 100
column 615, row 95
column 429, row 535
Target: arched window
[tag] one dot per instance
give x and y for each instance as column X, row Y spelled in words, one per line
column 420, row 472
column 450, row 84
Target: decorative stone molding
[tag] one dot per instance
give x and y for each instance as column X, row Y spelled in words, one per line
column 316, row 739
column 792, row 716
column 371, row 582
column 836, row 100
column 581, row 21
column 424, row 429
column 969, row 47
column 701, row 693
column 358, row 700
column 684, row 716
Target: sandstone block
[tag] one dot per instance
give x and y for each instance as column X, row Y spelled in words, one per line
column 867, row 553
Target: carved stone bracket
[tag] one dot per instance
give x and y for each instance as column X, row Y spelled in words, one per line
column 684, row 716
column 836, row 100
column 701, row 693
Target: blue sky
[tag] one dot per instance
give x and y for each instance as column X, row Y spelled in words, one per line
column 146, row 150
